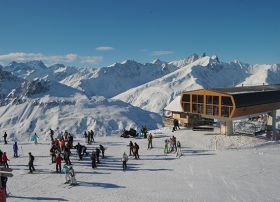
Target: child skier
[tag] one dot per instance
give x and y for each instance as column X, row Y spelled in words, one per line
column 58, row 160
column 124, row 161
column 73, row 180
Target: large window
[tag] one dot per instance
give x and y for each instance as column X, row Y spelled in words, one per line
column 198, row 104
column 212, row 105
column 186, row 102
column 207, row 104
column 226, row 107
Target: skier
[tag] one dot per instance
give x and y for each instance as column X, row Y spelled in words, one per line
column 1, row 154
column 136, row 152
column 52, row 153
column 66, row 169
column 73, row 180
column 91, row 136
column 84, row 150
column 30, row 163
column 62, row 144
column 15, row 148
column 124, row 161
column 67, row 154
column 5, row 138
column 70, row 140
column 165, row 146
column 150, row 141
column 35, row 138
column 131, row 148
column 102, row 150
column 52, row 135
column 179, row 145
column 79, row 150
column 5, row 160
column 85, row 136
column 93, row 159
column 4, row 183
column 97, row 150
column 88, row 138
column 174, row 143
column 58, row 160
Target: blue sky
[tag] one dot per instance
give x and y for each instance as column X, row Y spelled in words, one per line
column 99, row 33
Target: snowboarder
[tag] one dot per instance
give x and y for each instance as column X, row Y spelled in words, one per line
column 131, row 148
column 30, row 163
column 15, row 148
column 58, row 160
column 150, row 141
column 124, row 161
column 93, row 159
column 136, row 150
column 102, row 150
column 5, row 160
column 97, row 151
column 5, row 138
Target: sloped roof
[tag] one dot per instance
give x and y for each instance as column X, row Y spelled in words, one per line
column 175, row 105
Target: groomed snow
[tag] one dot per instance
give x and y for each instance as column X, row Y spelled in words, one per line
column 249, row 172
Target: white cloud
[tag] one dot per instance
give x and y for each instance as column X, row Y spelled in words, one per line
column 21, row 57
column 71, row 57
column 104, row 48
column 162, row 52
column 91, row 59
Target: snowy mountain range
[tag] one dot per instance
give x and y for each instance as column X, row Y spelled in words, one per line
column 35, row 97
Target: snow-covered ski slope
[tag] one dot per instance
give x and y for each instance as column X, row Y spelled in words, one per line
column 248, row 172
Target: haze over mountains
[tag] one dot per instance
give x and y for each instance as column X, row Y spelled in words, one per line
column 35, row 97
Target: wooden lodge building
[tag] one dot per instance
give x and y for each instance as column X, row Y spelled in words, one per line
column 226, row 104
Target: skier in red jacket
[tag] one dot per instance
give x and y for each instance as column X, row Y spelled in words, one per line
column 58, row 160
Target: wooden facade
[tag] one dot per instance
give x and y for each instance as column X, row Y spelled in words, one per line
column 228, row 103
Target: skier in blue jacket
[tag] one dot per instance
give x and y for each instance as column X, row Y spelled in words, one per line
column 15, row 148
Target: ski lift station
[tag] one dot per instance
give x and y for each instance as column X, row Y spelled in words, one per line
column 226, row 105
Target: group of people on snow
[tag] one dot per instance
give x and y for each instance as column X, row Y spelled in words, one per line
column 171, row 145
column 89, row 136
column 134, row 150
column 62, row 145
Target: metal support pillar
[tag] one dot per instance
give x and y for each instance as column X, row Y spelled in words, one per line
column 229, row 127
